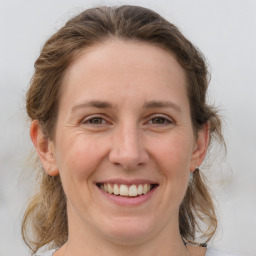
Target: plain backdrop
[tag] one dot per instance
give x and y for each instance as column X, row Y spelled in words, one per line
column 224, row 30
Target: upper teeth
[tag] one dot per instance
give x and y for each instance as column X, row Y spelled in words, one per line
column 124, row 190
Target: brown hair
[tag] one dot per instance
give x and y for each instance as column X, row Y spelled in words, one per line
column 46, row 218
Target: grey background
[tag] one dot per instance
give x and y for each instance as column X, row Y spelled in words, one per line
column 224, row 30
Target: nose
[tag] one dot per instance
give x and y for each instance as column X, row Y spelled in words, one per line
column 127, row 149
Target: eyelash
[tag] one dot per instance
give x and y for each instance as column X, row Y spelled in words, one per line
column 165, row 120
column 90, row 119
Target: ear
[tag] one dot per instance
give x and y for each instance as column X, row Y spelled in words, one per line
column 200, row 147
column 44, row 147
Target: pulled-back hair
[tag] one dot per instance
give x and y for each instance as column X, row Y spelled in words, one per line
column 45, row 220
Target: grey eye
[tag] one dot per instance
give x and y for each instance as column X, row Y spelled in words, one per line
column 96, row 120
column 159, row 120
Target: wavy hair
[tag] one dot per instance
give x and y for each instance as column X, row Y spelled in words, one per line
column 45, row 219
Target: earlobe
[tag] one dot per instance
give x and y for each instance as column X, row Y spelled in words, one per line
column 44, row 147
column 200, row 148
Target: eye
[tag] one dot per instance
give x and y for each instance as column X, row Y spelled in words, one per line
column 160, row 120
column 94, row 121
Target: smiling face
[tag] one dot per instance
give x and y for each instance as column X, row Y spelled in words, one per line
column 124, row 144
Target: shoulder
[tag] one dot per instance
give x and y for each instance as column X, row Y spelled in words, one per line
column 48, row 253
column 215, row 252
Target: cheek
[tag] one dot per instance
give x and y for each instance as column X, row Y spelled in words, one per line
column 175, row 152
column 173, row 158
column 79, row 156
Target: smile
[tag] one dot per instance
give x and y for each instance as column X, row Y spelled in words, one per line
column 133, row 190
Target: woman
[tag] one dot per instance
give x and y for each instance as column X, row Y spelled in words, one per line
column 121, row 125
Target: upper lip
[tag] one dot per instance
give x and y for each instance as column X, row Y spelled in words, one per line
column 127, row 182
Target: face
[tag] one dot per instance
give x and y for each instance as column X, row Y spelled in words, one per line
column 124, row 144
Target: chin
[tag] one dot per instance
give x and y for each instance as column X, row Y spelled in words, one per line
column 128, row 231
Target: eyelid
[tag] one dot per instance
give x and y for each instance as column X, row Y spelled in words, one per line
column 95, row 116
column 149, row 118
column 164, row 116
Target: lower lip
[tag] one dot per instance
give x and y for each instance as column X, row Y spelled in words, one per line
column 129, row 201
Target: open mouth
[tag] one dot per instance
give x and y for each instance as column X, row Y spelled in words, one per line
column 133, row 190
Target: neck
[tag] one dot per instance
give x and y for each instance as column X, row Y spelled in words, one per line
column 109, row 248
column 87, row 241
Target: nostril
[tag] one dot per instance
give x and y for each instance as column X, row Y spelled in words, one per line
column 128, row 153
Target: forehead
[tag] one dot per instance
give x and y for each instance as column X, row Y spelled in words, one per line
column 126, row 53
column 120, row 66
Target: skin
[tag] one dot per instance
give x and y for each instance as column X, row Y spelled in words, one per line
column 129, row 138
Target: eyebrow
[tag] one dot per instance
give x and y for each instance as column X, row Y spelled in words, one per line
column 162, row 104
column 104, row 105
column 93, row 103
